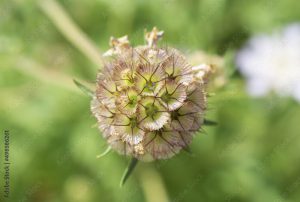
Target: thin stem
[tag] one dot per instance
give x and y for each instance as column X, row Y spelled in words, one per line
column 70, row 30
column 152, row 184
column 35, row 70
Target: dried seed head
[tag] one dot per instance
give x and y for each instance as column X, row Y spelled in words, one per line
column 148, row 102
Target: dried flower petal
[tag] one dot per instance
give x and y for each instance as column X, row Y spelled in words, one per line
column 172, row 95
column 127, row 128
column 153, row 115
column 162, row 144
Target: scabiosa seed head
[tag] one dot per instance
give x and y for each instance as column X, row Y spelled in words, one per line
column 148, row 101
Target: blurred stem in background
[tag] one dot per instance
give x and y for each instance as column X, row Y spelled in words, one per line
column 70, row 30
column 32, row 68
column 150, row 179
column 152, row 184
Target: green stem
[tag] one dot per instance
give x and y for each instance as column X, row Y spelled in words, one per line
column 46, row 75
column 152, row 184
column 70, row 30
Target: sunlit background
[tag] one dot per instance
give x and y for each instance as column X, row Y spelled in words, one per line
column 251, row 155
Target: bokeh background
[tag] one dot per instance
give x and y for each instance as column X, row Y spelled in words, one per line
column 252, row 155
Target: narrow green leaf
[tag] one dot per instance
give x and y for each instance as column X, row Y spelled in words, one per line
column 83, row 88
column 105, row 152
column 209, row 122
column 128, row 171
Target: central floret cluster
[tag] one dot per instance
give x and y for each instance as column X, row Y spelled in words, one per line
column 148, row 103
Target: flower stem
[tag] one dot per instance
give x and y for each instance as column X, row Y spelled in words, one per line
column 70, row 30
column 31, row 68
column 152, row 184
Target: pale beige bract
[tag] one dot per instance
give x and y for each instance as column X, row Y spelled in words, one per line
column 149, row 102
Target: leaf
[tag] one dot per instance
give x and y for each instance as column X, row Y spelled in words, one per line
column 104, row 153
column 209, row 123
column 128, row 171
column 83, row 88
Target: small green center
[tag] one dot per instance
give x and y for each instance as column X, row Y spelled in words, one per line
column 172, row 77
column 166, row 97
column 130, row 79
column 151, row 110
column 133, row 122
column 132, row 100
column 149, row 86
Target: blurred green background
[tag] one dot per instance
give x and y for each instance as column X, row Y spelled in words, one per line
column 252, row 155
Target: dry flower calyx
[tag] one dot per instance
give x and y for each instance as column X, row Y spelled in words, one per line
column 149, row 101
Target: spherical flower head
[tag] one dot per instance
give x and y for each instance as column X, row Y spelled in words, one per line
column 148, row 101
column 271, row 63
